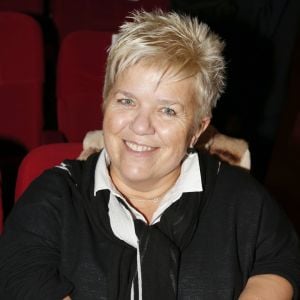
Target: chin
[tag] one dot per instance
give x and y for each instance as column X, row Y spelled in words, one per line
column 136, row 177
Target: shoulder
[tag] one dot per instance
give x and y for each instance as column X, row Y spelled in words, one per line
column 238, row 180
column 60, row 180
column 227, row 177
column 51, row 198
column 52, row 184
column 234, row 187
column 245, row 202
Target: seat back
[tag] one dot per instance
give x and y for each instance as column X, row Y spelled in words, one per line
column 34, row 7
column 80, row 76
column 42, row 158
column 70, row 15
column 21, row 79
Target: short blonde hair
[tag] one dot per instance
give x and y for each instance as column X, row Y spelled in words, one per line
column 171, row 42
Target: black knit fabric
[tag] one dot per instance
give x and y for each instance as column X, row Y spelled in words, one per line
column 56, row 242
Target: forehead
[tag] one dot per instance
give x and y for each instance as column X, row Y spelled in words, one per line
column 146, row 76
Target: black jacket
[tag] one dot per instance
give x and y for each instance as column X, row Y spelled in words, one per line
column 55, row 241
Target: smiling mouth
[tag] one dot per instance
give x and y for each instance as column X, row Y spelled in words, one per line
column 138, row 148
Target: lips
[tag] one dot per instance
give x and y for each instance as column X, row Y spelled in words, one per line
column 138, row 148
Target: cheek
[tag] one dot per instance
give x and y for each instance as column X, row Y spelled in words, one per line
column 174, row 136
column 114, row 122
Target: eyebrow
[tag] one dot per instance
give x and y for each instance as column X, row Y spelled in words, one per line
column 127, row 94
column 161, row 100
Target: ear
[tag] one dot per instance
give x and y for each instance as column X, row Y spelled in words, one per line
column 203, row 125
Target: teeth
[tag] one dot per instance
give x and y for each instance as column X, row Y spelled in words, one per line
column 138, row 148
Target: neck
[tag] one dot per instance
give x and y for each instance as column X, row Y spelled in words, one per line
column 145, row 197
column 144, row 190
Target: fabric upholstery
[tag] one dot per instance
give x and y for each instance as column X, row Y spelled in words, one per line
column 27, row 6
column 69, row 15
column 21, row 79
column 80, row 76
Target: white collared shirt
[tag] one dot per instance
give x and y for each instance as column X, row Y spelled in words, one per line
column 188, row 181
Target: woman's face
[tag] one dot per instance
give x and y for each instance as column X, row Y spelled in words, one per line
column 147, row 127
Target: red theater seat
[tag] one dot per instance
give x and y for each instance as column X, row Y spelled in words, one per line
column 21, row 95
column 21, row 79
column 42, row 158
column 35, row 7
column 69, row 15
column 80, row 76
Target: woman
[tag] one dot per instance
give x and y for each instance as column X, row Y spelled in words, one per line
column 149, row 218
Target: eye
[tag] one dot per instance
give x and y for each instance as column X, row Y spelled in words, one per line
column 126, row 101
column 169, row 111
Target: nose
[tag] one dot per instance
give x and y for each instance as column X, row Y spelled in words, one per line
column 142, row 123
